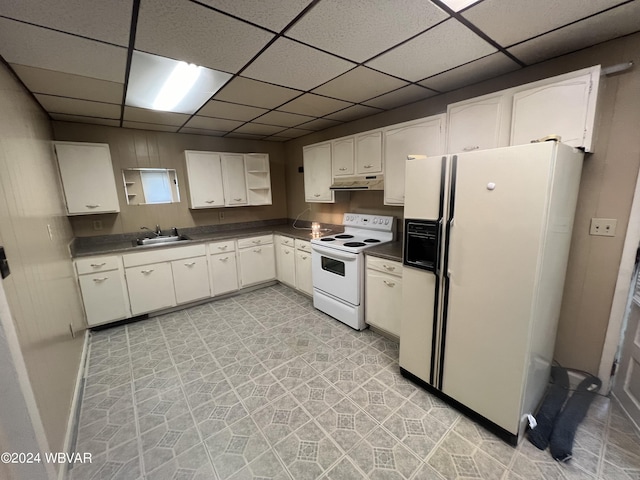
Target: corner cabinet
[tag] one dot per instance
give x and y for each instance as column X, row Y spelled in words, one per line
column 258, row 177
column 317, row 173
column 87, row 178
column 421, row 137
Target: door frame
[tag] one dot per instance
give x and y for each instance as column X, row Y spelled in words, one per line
column 613, row 337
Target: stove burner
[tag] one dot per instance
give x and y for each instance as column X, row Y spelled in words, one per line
column 344, row 235
column 371, row 240
column 327, row 239
column 354, row 244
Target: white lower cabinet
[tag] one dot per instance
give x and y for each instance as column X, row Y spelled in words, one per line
column 285, row 260
column 103, row 289
column 190, row 279
column 223, row 267
column 150, row 287
column 303, row 267
column 257, row 260
column 383, row 294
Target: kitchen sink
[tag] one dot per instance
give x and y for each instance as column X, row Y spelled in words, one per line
column 161, row 240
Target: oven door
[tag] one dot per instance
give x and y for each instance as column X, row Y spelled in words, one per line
column 337, row 273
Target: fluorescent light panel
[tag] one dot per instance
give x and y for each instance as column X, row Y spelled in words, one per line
column 160, row 83
column 457, row 5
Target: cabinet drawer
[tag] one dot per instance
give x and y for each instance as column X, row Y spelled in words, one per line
column 382, row 265
column 222, row 247
column 253, row 241
column 97, row 264
column 162, row 255
column 288, row 241
column 103, row 295
column 303, row 245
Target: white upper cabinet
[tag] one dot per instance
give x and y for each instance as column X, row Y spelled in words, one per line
column 369, row 153
column 204, row 176
column 87, row 178
column 479, row 123
column 258, row 178
column 420, row 137
column 317, row 173
column 563, row 106
column 233, row 179
column 343, row 157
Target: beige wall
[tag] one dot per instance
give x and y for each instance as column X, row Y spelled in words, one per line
column 41, row 290
column 139, row 148
column 608, row 183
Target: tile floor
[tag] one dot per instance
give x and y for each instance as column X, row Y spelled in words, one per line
column 261, row 386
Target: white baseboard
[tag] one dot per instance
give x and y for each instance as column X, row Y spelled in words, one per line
column 75, row 404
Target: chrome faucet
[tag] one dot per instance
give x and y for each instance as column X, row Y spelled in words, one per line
column 157, row 232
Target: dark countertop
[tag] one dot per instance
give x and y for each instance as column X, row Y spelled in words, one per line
column 390, row 251
column 119, row 245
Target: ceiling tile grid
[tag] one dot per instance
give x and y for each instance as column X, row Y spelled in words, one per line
column 297, row 66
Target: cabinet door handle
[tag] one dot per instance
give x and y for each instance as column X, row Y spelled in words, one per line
column 391, row 268
column 257, row 250
column 257, row 242
column 190, row 264
column 468, row 149
column 316, row 194
column 146, row 271
column 98, row 265
column 342, row 169
column 238, row 199
column 368, row 166
column 286, row 252
column 304, row 257
column 93, row 205
column 210, row 201
column 101, row 279
column 389, row 284
column 223, row 247
column 223, row 259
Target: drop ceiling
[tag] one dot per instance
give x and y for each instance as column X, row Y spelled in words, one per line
column 297, row 66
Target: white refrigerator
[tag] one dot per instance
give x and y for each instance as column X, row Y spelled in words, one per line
column 486, row 244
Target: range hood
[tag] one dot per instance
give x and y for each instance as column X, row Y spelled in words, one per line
column 362, row 182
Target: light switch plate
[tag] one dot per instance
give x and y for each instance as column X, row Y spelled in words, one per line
column 604, row 227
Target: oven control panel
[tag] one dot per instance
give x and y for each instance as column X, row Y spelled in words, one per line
column 372, row 222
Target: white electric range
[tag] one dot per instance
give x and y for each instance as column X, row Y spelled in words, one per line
column 338, row 266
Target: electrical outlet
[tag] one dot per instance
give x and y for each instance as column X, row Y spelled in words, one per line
column 97, row 224
column 221, row 215
column 604, row 227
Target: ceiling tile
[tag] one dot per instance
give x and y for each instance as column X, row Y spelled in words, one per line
column 314, row 105
column 231, row 111
column 276, row 138
column 293, row 133
column 143, row 115
column 74, row 106
column 473, row 72
column 443, row 47
column 359, row 84
column 252, row 92
column 360, row 29
column 209, row 123
column 295, row 65
column 258, row 129
column 353, row 113
column 38, row 47
column 196, row 34
column 319, row 124
column 202, row 131
column 246, row 136
column 523, row 19
column 150, row 126
column 283, row 119
column 614, row 23
column 107, row 21
column 63, row 117
column 39, row 80
column 272, row 14
column 402, row 96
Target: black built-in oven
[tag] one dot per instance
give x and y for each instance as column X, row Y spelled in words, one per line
column 422, row 244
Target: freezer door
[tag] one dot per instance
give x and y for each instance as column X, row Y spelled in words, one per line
column 425, row 187
column 498, row 213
